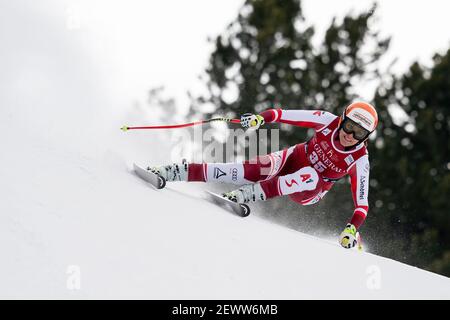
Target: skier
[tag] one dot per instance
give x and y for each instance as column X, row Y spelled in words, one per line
column 305, row 171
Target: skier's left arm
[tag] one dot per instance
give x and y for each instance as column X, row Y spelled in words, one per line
column 315, row 119
column 359, row 180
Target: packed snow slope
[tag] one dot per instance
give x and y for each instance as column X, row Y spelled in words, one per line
column 76, row 223
column 63, row 208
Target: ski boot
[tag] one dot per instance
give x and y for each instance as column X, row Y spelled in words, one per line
column 172, row 172
column 246, row 193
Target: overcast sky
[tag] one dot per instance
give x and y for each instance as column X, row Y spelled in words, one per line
column 135, row 45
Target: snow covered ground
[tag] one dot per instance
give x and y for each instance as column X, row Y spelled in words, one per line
column 74, row 223
column 62, row 208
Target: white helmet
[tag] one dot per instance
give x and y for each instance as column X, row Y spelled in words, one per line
column 359, row 119
column 363, row 114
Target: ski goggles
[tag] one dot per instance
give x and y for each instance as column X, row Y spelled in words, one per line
column 350, row 126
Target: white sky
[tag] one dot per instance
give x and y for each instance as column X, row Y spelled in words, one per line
column 418, row 28
column 140, row 44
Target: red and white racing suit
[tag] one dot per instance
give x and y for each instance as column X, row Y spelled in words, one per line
column 305, row 171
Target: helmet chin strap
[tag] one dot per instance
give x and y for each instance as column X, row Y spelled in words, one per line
column 355, row 145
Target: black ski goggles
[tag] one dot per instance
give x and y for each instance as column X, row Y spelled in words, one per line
column 359, row 133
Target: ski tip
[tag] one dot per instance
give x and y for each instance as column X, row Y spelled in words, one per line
column 161, row 182
column 240, row 209
column 245, row 212
column 124, row 128
column 155, row 180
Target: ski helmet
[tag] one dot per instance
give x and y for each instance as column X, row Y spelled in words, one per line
column 362, row 114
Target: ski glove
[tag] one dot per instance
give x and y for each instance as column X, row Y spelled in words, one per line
column 249, row 120
column 349, row 237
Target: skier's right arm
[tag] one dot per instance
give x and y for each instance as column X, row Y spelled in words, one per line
column 315, row 119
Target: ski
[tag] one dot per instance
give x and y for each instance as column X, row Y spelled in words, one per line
column 241, row 209
column 154, row 179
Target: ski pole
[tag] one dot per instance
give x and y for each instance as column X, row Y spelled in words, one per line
column 359, row 240
column 183, row 125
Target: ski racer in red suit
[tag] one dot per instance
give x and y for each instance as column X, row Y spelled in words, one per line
column 306, row 171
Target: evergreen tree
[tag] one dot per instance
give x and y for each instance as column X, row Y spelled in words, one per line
column 266, row 56
column 412, row 163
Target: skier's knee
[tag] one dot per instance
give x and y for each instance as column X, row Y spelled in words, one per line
column 305, row 179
